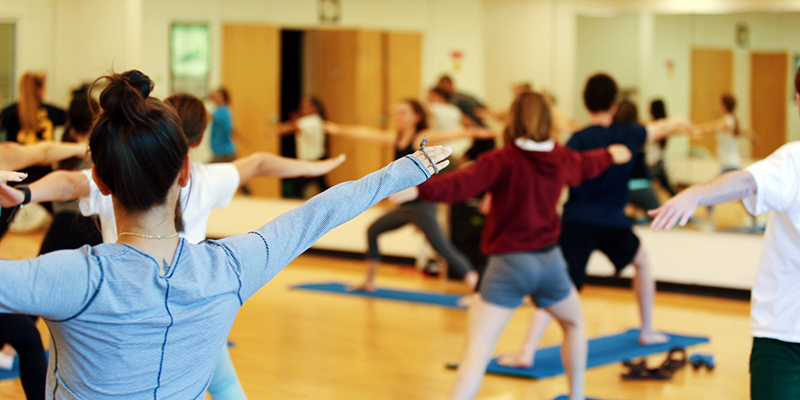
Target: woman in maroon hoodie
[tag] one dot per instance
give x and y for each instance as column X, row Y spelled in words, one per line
column 525, row 179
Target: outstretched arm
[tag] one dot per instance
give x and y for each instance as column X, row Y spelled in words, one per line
column 55, row 186
column 436, row 136
column 265, row 164
column 663, row 128
column 262, row 254
column 710, row 127
column 378, row 136
column 14, row 156
column 728, row 187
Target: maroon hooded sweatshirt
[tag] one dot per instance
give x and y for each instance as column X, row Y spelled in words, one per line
column 525, row 188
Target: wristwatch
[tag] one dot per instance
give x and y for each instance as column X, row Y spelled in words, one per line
column 27, row 192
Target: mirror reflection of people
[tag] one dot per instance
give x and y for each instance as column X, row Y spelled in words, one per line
column 727, row 131
column 310, row 139
column 654, row 153
column 472, row 109
column 221, row 140
column 410, row 121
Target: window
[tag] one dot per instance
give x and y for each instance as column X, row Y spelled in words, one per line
column 190, row 58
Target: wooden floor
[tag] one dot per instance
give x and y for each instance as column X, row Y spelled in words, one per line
column 305, row 345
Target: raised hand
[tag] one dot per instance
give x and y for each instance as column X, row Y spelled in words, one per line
column 10, row 197
column 438, row 156
column 404, row 196
column 620, row 153
column 678, row 210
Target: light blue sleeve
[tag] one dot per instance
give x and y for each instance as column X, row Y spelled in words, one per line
column 55, row 286
column 260, row 255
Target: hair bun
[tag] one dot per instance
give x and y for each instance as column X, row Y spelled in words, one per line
column 125, row 98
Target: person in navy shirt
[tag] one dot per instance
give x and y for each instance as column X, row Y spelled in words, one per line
column 594, row 216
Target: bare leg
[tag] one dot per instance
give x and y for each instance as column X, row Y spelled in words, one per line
column 471, row 279
column 369, row 282
column 485, row 324
column 645, row 286
column 574, row 351
column 526, row 357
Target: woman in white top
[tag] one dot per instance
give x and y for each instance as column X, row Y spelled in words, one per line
column 310, row 140
column 728, row 133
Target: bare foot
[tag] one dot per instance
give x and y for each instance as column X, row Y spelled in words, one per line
column 649, row 337
column 466, row 301
column 471, row 279
column 364, row 287
column 517, row 360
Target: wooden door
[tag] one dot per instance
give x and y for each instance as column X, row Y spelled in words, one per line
column 348, row 79
column 402, row 71
column 251, row 72
column 712, row 76
column 768, row 101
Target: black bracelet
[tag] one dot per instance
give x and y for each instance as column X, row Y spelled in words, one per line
column 25, row 189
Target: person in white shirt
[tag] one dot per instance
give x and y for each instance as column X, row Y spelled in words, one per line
column 727, row 132
column 310, row 139
column 771, row 185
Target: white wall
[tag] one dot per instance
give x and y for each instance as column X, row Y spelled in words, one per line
column 78, row 40
column 518, row 46
column 447, row 25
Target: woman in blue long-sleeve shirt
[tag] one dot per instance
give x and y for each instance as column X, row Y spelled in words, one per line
column 146, row 317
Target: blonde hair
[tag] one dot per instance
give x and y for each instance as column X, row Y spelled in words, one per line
column 30, row 100
column 530, row 118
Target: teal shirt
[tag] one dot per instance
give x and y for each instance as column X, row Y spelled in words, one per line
column 221, row 129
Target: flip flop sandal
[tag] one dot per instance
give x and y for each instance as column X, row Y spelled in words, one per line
column 639, row 371
column 676, row 359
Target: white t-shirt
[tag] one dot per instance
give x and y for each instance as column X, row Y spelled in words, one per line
column 310, row 138
column 447, row 117
column 211, row 187
column 728, row 146
column 775, row 311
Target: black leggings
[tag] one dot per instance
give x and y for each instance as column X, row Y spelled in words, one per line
column 20, row 332
column 423, row 215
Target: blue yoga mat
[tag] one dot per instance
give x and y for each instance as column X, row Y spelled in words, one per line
column 438, row 299
column 13, row 373
column 565, row 397
column 603, row 350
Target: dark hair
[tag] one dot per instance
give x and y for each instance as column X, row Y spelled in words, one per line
column 137, row 143
column 193, row 115
column 600, row 93
column 797, row 81
column 529, row 117
column 319, row 106
column 627, row 112
column 441, row 92
column 445, row 78
column 419, row 111
column 729, row 102
column 226, row 97
column 80, row 117
column 658, row 110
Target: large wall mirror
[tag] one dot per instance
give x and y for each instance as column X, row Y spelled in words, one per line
column 689, row 62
